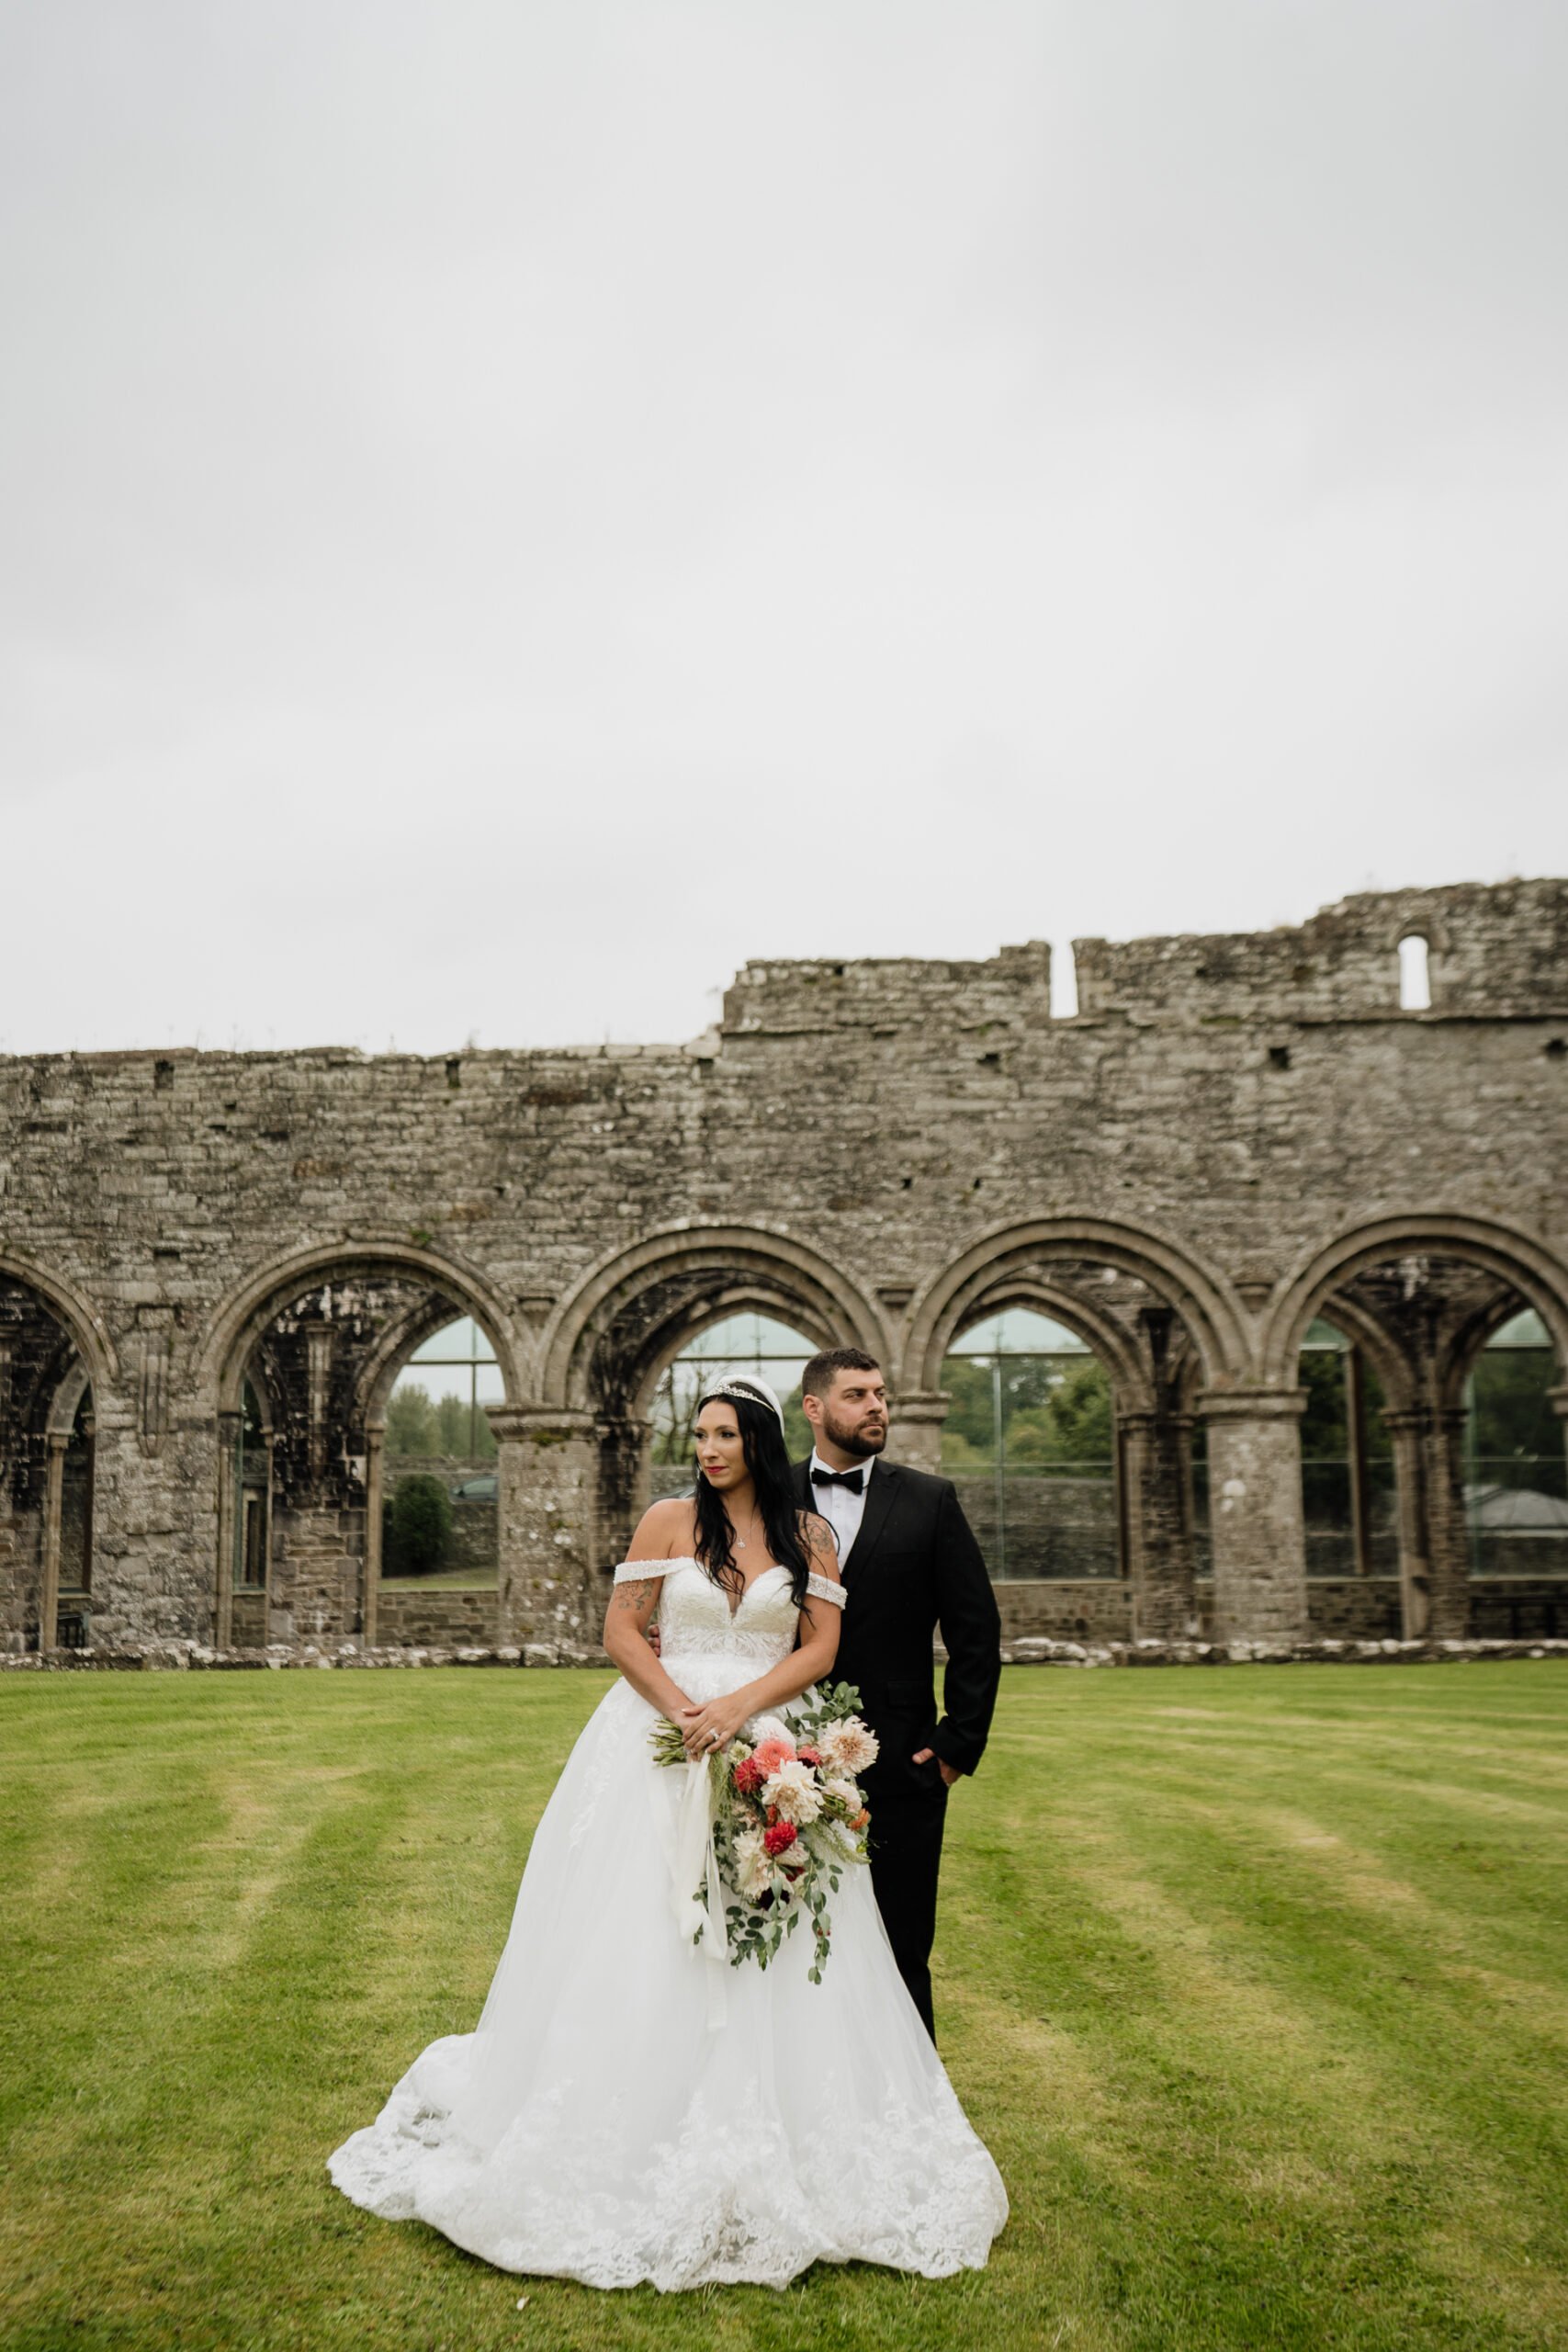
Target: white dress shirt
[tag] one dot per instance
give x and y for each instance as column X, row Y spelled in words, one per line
column 840, row 1505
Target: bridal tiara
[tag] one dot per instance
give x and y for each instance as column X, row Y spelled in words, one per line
column 756, row 1391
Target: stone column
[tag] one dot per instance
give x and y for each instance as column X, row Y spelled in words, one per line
column 914, row 1428
column 370, row 1600
column 1408, row 1430
column 624, row 1486
column 49, row 1590
column 1434, row 1534
column 1447, row 1530
column 1254, row 1506
column 549, row 1474
column 229, row 1508
column 1159, row 1534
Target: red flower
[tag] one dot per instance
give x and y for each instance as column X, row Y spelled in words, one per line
column 779, row 1837
column 809, row 1755
column 748, row 1777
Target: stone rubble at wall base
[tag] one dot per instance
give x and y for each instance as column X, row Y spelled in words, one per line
column 171, row 1657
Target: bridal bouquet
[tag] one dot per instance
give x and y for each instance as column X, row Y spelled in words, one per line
column 786, row 1816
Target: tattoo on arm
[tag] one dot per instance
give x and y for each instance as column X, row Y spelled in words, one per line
column 634, row 1597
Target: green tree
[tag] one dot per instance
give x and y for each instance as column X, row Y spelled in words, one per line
column 411, row 1421
column 421, row 1522
column 1077, row 1423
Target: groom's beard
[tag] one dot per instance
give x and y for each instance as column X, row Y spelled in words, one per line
column 862, row 1436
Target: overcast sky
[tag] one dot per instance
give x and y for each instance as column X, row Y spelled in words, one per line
column 511, row 510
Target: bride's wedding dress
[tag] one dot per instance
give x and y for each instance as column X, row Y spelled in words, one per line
column 630, row 2107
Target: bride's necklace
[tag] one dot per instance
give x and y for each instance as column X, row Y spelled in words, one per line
column 739, row 1539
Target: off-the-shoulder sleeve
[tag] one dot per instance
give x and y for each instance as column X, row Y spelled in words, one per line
column 640, row 1571
column 823, row 1589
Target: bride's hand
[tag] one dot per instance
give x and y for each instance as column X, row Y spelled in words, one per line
column 713, row 1726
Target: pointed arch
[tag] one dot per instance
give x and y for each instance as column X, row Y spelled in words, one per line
column 1203, row 1299
column 1517, row 1259
column 250, row 1306
column 642, row 1303
column 72, row 1308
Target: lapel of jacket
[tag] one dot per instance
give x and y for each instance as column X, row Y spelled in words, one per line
column 880, row 1498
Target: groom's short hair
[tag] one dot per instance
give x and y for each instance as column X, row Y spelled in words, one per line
column 818, row 1378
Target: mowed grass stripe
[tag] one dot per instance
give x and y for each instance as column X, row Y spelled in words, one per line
column 1255, row 1983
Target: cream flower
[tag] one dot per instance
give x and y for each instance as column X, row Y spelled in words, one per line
column 753, row 1866
column 794, row 1789
column 846, row 1792
column 848, row 1747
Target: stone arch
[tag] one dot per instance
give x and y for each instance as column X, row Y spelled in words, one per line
column 326, row 1452
column 54, row 1351
column 1515, row 1258
column 1064, row 1307
column 632, row 1313
column 1018, row 1264
column 67, row 1401
column 1394, row 1368
column 423, row 1320
column 1427, row 1414
column 71, row 1308
column 634, row 1310
column 246, row 1314
column 1204, row 1300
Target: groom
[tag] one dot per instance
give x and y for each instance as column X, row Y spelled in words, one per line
column 909, row 1564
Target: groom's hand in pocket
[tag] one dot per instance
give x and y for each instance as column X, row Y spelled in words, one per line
column 924, row 1754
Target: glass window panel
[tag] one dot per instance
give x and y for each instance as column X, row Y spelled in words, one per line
column 1526, row 1331
column 747, row 1338
column 460, row 1342
column 1019, row 1331
column 1325, row 1335
column 436, row 1379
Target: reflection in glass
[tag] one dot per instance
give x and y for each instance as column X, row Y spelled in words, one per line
column 1030, row 1440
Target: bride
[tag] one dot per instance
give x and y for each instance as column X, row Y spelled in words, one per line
column 631, row 2107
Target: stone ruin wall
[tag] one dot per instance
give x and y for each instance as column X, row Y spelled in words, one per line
column 1231, row 1134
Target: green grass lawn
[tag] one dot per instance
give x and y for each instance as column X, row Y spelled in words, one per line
column 1255, row 1981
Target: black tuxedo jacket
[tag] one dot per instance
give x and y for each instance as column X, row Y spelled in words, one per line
column 915, row 1566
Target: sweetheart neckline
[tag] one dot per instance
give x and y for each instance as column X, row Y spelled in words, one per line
column 689, row 1560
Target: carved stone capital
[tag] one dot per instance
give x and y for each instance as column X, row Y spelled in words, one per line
column 927, row 1405
column 1252, row 1404
column 539, row 1424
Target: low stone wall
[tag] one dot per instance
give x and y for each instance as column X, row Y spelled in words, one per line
column 1065, row 1609
column 441, row 1616
column 1064, row 1527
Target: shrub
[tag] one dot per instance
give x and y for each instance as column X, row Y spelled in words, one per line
column 421, row 1522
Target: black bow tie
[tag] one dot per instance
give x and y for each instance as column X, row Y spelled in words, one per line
column 854, row 1479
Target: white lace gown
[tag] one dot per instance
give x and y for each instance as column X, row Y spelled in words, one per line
column 629, row 2108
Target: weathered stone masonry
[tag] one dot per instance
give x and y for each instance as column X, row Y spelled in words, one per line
column 1231, row 1136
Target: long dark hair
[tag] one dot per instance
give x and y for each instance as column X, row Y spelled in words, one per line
column 762, row 1443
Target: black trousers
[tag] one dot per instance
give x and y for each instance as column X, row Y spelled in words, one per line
column 906, row 1858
